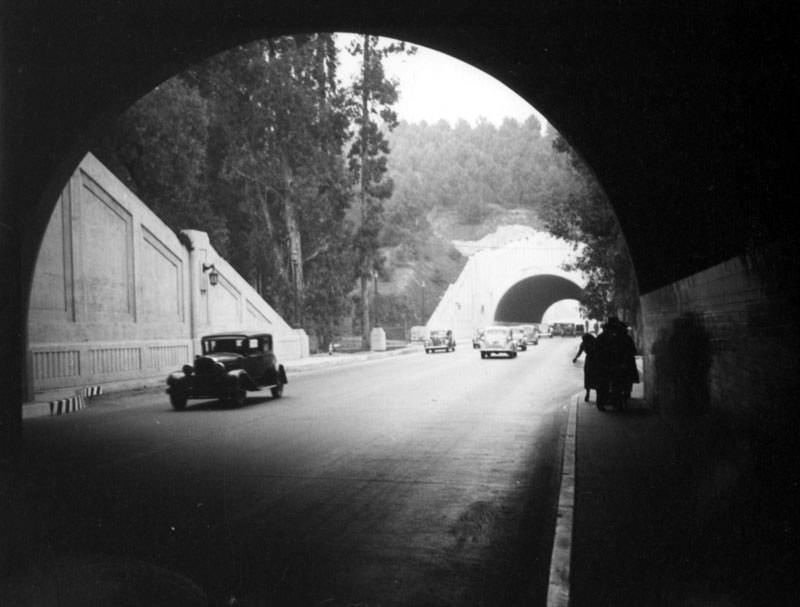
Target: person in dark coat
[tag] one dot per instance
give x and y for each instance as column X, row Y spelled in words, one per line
column 615, row 353
column 588, row 347
column 629, row 357
column 613, row 369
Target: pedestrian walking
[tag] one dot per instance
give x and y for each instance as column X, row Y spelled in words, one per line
column 588, row 347
column 616, row 364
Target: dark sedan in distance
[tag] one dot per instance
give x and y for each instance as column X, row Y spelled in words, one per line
column 440, row 339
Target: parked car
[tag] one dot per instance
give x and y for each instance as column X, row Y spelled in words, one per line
column 440, row 339
column 476, row 340
column 230, row 365
column 520, row 337
column 498, row 340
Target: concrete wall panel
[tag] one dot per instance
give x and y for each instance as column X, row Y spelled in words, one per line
column 53, row 275
column 226, row 302
column 106, row 263
column 162, row 281
column 118, row 299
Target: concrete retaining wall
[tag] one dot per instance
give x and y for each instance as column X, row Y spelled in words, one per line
column 721, row 362
column 118, row 297
column 725, row 339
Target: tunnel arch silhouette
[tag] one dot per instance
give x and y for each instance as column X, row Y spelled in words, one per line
column 125, row 53
column 527, row 300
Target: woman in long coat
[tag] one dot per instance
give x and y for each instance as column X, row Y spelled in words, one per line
column 588, row 347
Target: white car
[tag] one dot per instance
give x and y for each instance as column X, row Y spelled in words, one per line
column 498, row 340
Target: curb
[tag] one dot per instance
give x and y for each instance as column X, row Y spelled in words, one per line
column 80, row 397
column 62, row 406
column 306, row 364
column 558, row 585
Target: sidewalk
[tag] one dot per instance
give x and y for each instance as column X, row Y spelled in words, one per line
column 316, row 361
column 632, row 504
column 642, row 533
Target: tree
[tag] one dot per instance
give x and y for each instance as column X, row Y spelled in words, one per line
column 249, row 146
column 584, row 217
column 285, row 122
column 367, row 158
column 158, row 149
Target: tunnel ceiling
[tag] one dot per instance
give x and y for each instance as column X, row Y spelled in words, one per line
column 688, row 151
column 528, row 300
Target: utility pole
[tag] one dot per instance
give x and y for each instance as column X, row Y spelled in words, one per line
column 365, row 328
column 375, row 302
column 422, row 284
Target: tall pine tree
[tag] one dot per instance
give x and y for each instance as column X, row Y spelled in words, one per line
column 376, row 95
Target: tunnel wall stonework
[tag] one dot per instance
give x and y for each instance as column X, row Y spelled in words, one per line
column 118, row 299
column 721, row 357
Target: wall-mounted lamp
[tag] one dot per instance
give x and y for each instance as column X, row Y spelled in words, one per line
column 213, row 275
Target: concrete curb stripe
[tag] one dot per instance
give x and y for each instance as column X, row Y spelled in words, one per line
column 74, row 403
column 90, row 391
column 67, row 405
column 558, row 586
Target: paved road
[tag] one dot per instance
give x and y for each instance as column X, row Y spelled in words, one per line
column 414, row 480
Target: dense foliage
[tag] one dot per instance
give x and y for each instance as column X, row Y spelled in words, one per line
column 315, row 191
column 249, row 147
column 585, row 218
column 468, row 180
column 368, row 156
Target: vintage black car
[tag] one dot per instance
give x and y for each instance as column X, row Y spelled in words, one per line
column 440, row 339
column 230, row 365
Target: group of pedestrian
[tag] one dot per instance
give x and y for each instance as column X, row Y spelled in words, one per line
column 610, row 364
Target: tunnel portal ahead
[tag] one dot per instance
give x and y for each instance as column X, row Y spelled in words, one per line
column 512, row 275
column 528, row 300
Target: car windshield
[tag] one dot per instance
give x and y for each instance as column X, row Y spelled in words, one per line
column 438, row 333
column 496, row 333
column 212, row 346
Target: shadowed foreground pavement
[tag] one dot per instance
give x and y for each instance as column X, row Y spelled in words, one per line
column 652, row 526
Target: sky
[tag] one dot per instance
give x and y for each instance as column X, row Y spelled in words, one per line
column 435, row 86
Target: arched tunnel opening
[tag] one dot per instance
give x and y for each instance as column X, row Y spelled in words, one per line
column 698, row 278
column 528, row 300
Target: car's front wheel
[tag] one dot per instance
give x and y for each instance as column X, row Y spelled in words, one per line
column 277, row 391
column 178, row 401
column 239, row 397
